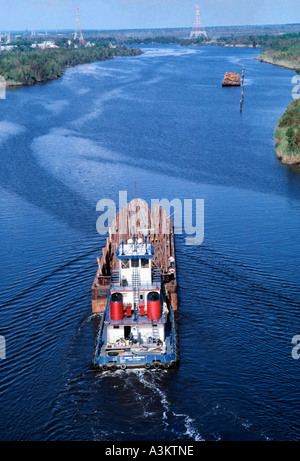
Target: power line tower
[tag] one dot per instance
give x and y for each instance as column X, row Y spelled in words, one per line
column 198, row 28
column 78, row 32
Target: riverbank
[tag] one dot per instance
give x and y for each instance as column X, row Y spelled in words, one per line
column 23, row 68
column 285, row 52
column 276, row 58
column 287, row 135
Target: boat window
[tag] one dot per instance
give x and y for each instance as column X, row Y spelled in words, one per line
column 134, row 263
column 127, row 331
column 145, row 263
column 125, row 264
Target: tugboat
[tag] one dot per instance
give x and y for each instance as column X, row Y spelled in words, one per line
column 138, row 325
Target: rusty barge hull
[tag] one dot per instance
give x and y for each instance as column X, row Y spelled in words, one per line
column 137, row 220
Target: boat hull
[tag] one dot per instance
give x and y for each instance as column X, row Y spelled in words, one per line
column 143, row 357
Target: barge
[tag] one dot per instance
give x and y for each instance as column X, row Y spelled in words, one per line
column 231, row 79
column 135, row 292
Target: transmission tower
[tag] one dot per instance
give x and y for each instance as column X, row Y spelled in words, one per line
column 198, row 28
column 78, row 32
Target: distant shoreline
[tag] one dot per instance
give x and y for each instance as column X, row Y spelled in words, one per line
column 12, row 84
column 44, row 66
column 283, row 63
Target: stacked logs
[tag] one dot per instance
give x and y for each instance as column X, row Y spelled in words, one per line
column 231, row 79
column 137, row 220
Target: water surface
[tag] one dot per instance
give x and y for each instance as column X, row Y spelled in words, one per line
column 164, row 119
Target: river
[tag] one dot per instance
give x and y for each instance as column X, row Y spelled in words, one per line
column 164, row 119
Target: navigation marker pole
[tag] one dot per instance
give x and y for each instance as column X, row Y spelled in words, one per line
column 242, row 99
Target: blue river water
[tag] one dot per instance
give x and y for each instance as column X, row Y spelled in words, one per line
column 164, row 119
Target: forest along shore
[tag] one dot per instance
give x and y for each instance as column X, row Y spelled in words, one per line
column 287, row 135
column 20, row 68
column 285, row 52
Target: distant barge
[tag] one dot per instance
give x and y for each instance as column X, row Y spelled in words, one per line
column 135, row 290
column 231, row 79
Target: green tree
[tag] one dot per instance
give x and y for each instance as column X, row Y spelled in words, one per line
column 291, row 138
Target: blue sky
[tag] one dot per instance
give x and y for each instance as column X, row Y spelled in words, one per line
column 134, row 14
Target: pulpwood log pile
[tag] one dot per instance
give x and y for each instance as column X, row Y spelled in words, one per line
column 231, row 79
column 137, row 219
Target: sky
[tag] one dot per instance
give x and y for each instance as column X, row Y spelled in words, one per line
column 140, row 14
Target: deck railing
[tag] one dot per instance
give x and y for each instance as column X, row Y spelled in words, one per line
column 115, row 283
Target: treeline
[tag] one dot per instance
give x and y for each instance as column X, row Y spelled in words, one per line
column 262, row 41
column 287, row 133
column 275, row 42
column 196, row 41
column 36, row 65
column 133, row 40
column 160, row 40
column 155, row 40
column 151, row 40
column 283, row 51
